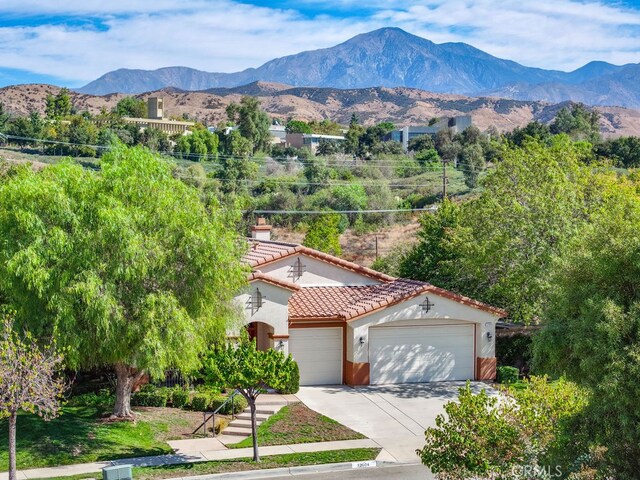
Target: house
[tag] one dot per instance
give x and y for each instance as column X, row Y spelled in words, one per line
column 310, row 140
column 344, row 323
column 405, row 135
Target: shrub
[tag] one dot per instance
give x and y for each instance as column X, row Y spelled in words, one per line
column 150, row 397
column 507, row 374
column 206, row 400
column 200, row 401
column 238, row 405
column 294, row 384
column 104, row 399
column 180, row 397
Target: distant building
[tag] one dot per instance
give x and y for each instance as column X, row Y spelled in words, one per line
column 310, row 140
column 155, row 108
column 278, row 134
column 156, row 119
column 406, row 134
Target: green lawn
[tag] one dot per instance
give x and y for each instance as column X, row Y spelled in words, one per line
column 79, row 435
column 242, row 464
column 296, row 423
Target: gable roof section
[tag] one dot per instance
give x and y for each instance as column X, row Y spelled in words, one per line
column 264, row 252
column 259, row 276
column 347, row 303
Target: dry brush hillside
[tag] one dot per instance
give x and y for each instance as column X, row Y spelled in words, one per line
column 403, row 106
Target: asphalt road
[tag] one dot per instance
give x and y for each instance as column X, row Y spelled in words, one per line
column 396, row 472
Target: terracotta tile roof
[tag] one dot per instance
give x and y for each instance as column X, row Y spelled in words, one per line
column 262, row 252
column 272, row 280
column 343, row 303
column 347, row 303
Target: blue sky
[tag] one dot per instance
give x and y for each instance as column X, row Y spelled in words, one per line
column 72, row 42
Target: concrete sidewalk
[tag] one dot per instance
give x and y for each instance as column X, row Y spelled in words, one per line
column 193, row 457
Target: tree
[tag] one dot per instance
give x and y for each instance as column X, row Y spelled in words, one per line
column 317, row 173
column 131, row 107
column 471, row 163
column 59, row 106
column 253, row 123
column 532, row 131
column 250, row 371
column 297, row 126
column 420, row 143
column 324, row 234
column 126, row 268
column 591, row 326
column 4, row 118
column 623, row 151
column 579, row 122
column 432, row 257
column 28, row 381
column 483, row 436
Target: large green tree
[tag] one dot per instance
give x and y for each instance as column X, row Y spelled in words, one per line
column 131, row 107
column 591, row 329
column 506, row 239
column 58, row 106
column 126, row 268
column 253, row 123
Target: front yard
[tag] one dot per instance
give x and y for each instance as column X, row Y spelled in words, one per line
column 296, row 423
column 80, row 435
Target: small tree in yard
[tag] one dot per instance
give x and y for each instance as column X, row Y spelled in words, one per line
column 251, row 372
column 28, row 381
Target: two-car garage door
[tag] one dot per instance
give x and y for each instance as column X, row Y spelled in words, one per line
column 421, row 353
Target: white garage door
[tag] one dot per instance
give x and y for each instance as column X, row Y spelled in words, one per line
column 421, row 354
column 318, row 352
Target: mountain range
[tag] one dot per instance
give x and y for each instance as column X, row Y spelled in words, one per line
column 391, row 57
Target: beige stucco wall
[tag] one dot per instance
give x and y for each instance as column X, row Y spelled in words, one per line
column 316, row 273
column 409, row 313
column 274, row 311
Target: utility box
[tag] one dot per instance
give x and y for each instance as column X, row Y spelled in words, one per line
column 118, row 472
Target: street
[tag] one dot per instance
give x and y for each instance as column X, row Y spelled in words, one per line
column 399, row 472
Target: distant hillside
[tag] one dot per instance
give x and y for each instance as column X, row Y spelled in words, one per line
column 403, row 106
column 391, row 57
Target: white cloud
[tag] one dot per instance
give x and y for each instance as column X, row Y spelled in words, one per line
column 224, row 35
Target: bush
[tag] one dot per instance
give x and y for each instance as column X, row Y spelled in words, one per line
column 239, row 404
column 507, row 374
column 200, row 402
column 207, row 401
column 104, row 399
column 150, row 397
column 180, row 397
column 294, row 384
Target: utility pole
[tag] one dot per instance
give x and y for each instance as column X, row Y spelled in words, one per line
column 445, row 179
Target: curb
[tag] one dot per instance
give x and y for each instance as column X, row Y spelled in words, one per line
column 290, row 471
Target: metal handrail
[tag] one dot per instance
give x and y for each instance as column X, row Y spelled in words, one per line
column 213, row 414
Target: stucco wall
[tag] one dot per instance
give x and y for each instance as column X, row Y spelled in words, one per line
column 410, row 313
column 316, row 273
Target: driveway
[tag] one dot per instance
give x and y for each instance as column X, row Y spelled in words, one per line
column 395, row 416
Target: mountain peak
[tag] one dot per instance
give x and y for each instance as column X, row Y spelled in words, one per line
column 391, row 57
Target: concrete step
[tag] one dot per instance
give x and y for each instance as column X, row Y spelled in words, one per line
column 243, row 423
column 262, row 410
column 237, row 432
column 247, row 416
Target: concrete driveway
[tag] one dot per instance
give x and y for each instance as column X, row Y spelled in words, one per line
column 395, row 416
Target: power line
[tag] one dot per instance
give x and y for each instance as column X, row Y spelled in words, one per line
column 211, row 157
column 331, row 212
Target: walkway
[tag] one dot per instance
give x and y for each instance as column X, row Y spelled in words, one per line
column 205, row 456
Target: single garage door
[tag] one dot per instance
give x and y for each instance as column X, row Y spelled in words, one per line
column 421, row 354
column 318, row 352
